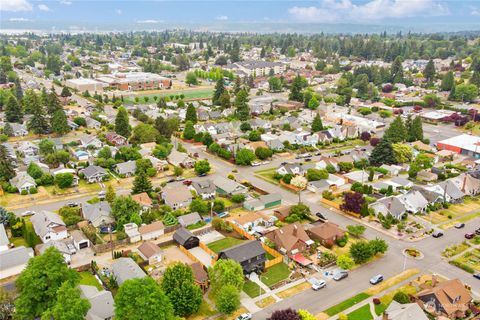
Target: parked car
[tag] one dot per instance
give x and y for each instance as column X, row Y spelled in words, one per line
column 477, row 276
column 283, row 163
column 321, row 216
column 339, row 275
column 460, row 225
column 469, row 235
column 308, row 159
column 72, row 204
column 187, row 182
column 171, row 180
column 101, row 195
column 477, row 231
column 202, row 174
column 317, row 284
column 28, row 213
column 377, row 279
column 437, row 234
column 244, row 316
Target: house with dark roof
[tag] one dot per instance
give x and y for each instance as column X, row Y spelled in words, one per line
column 250, row 255
column 93, row 173
column 49, row 226
column 189, row 219
column 186, row 239
column 229, row 187
column 389, row 205
column 23, row 182
column 452, row 191
column 13, row 261
column 126, row 169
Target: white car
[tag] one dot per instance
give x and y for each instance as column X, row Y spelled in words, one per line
column 317, row 284
column 28, row 213
column 244, row 316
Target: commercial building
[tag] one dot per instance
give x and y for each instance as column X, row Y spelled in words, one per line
column 82, row 85
column 134, row 81
column 464, row 144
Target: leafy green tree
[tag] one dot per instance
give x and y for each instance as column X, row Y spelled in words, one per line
column 466, row 92
column 191, row 79
column 110, row 195
column 39, row 283
column 225, row 100
column 448, row 81
column 142, row 183
column 228, row 299
column 378, row 246
column 382, row 153
column 263, row 153
column 202, row 167
column 254, row 135
column 316, row 174
column 38, row 123
column 13, row 110
column 191, row 114
column 226, row 272
column 402, row 152
column 34, row 170
column 345, row 262
column 356, row 230
column 64, row 180
column 7, row 171
column 52, row 102
column 317, row 124
column 244, row 157
column 143, row 133
column 177, row 171
column 361, row 84
column 142, row 299
column 361, row 252
column 401, row 297
column 242, row 111
column 189, row 131
column 207, row 139
column 125, row 210
column 475, row 79
column 8, row 130
column 178, row 284
column 59, row 122
column 69, row 304
column 313, row 103
column 298, row 84
column 396, row 132
column 122, row 123
column 219, row 90
column 46, row 146
column 275, row 84
column 200, row 206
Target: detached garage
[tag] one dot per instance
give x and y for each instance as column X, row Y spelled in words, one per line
column 79, row 240
column 186, row 239
column 263, row 202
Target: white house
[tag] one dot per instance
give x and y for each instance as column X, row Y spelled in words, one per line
column 23, row 182
column 131, row 229
column 49, row 226
column 151, row 231
column 4, row 242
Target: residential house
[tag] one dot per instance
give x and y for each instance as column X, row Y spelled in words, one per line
column 185, row 238
column 97, row 214
column 13, row 261
column 451, row 190
column 151, row 231
column 290, row 239
column 389, row 205
column 291, row 168
column 200, row 275
column 79, row 240
column 23, row 182
column 143, row 200
column 427, row 176
column 81, row 155
column 449, row 299
column 125, row 269
column 189, row 219
column 115, row 139
column 61, row 246
column 150, row 252
column 398, row 311
column 229, row 187
column 251, row 220
column 90, row 142
column 101, row 303
column 159, row 165
column 204, row 188
column 92, row 123
column 180, row 159
column 249, row 254
column 131, row 229
column 49, row 226
column 94, row 173
column 66, row 170
column 177, row 197
column 323, row 232
column 282, row 212
column 19, row 129
column 401, row 182
column 126, row 169
column 4, row 242
column 28, row 149
column 414, row 201
column 263, row 202
column 332, row 182
column 393, row 170
column 275, row 145
column 467, row 184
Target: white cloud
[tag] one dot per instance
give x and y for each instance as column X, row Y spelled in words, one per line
column 222, row 18
column 19, row 19
column 475, row 12
column 15, row 5
column 148, row 21
column 66, row 2
column 43, row 7
column 118, row 11
column 345, row 10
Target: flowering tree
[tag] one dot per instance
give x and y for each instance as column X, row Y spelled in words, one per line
column 299, row 182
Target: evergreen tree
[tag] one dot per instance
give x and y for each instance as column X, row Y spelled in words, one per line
column 242, row 111
column 38, row 123
column 3, row 76
column 142, row 183
column 235, row 52
column 18, row 89
column 313, row 103
column 219, row 90
column 396, row 132
column 122, row 124
column 53, row 104
column 475, row 79
column 396, row 70
column 59, row 122
column 429, row 71
column 453, row 95
column 66, row 92
column 448, row 81
column 8, row 130
column 317, row 124
column 161, row 103
column 225, row 100
column 13, row 110
column 237, row 86
column 7, row 171
column 416, row 131
column 296, row 89
column 188, row 131
column 382, row 153
column 250, row 81
column 191, row 114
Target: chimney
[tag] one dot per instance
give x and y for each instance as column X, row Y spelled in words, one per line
column 434, row 280
column 385, row 315
column 464, row 182
column 295, row 230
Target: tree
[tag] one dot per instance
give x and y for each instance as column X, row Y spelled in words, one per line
column 242, row 111
column 125, row 210
column 316, row 174
column 396, row 70
column 202, row 167
column 219, row 90
column 305, row 315
column 207, row 139
column 448, row 81
column 177, row 171
column 225, row 100
column 401, row 297
column 122, row 124
column 356, row 230
column 300, row 210
column 110, row 195
column 429, row 71
column 8, row 130
column 228, row 299
column 431, row 100
column 475, row 79
column 345, row 262
column 64, row 180
column 52, row 102
column 178, row 284
column 226, row 272
column 191, row 79
column 352, row 201
column 382, row 153
column 286, row 314
column 298, row 84
column 263, row 153
column 361, row 252
column 415, row 131
column 317, row 124
column 46, row 146
column 142, row 299
column 39, row 283
column 299, row 182
column 59, row 122
column 65, row 92
column 245, row 126
column 13, row 110
column 34, row 170
column 275, row 84
column 254, row 135
column 7, row 171
column 396, row 132
column 402, row 153
column 141, row 183
column 378, row 246
column 7, row 306
column 69, row 304
column 191, row 114
column 188, row 131
column 466, row 92
column 143, row 133
column 244, row 157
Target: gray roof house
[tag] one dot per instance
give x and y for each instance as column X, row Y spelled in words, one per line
column 452, row 190
column 250, row 255
column 125, row 269
column 389, row 205
column 101, row 303
column 93, row 173
column 189, row 219
column 49, row 226
column 414, row 201
column 180, row 159
column 19, row 129
column 13, row 261
column 177, row 197
column 408, row 311
column 23, row 182
column 126, row 169
column 467, row 184
column 97, row 213
column 204, row 188
column 229, row 187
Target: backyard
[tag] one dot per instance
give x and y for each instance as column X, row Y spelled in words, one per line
column 88, row 279
column 224, row 243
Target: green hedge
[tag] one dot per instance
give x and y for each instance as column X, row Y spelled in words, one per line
column 462, row 266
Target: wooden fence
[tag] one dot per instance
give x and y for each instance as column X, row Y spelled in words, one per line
column 188, row 253
column 240, row 231
column 210, row 252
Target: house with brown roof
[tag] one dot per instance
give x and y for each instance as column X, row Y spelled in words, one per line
column 324, row 232
column 448, row 298
column 282, row 212
column 290, row 239
column 250, row 220
column 200, row 275
column 151, row 231
column 150, row 252
column 143, row 200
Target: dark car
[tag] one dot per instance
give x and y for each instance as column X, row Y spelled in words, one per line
column 321, row 216
column 72, row 204
column 437, row 234
column 202, row 174
column 477, row 276
column 283, row 163
column 460, row 225
column 187, row 182
column 469, row 235
column 308, row 159
column 171, row 180
column 477, row 231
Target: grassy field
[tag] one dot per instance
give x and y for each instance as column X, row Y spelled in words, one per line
column 267, row 175
column 252, row 289
column 344, row 305
column 88, row 279
column 294, row 290
column 224, row 243
column 462, row 212
column 199, row 93
column 265, row 302
column 275, row 274
column 205, row 311
column 362, row 313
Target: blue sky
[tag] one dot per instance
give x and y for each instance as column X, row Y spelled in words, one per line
column 149, row 13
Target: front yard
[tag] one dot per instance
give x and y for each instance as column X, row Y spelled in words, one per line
column 462, row 212
column 275, row 274
column 455, row 249
column 252, row 289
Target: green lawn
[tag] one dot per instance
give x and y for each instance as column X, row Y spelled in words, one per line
column 252, row 289
column 35, row 239
column 224, row 243
column 189, row 94
column 344, row 305
column 19, row 241
column 269, row 256
column 88, row 279
column 275, row 274
column 267, row 175
column 471, row 259
column 475, row 240
column 379, row 308
column 362, row 313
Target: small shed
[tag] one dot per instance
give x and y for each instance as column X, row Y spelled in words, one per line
column 79, row 240
column 186, row 239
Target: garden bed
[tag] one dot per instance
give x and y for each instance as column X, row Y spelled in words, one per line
column 413, row 253
column 455, row 249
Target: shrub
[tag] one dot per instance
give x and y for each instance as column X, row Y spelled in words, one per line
column 33, row 190
column 401, row 297
column 24, row 192
column 238, row 198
